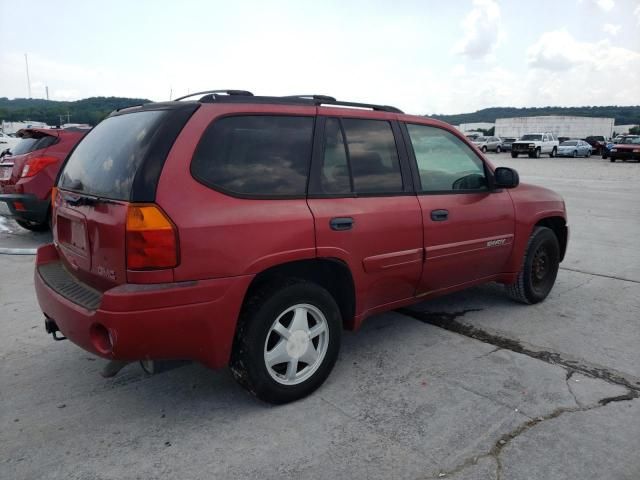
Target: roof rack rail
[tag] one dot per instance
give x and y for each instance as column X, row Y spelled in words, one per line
column 323, row 98
column 244, row 93
column 317, row 100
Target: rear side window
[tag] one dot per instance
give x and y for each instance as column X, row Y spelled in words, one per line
column 105, row 162
column 373, row 156
column 257, row 155
column 28, row 144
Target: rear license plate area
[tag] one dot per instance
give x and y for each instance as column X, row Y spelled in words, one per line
column 72, row 233
column 5, row 173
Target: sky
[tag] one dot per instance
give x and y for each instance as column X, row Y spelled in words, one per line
column 423, row 56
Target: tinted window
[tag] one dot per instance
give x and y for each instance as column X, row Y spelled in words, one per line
column 570, row 143
column 444, row 161
column 334, row 177
column 106, row 160
column 373, row 157
column 29, row 144
column 256, row 155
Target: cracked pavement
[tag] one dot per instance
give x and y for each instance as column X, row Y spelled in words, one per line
column 468, row 386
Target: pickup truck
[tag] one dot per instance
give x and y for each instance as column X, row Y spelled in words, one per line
column 535, row 144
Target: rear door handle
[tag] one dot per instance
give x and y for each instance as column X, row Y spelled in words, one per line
column 439, row 215
column 341, row 223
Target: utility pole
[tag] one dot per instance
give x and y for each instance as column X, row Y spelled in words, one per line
column 26, row 62
column 47, row 89
column 170, row 93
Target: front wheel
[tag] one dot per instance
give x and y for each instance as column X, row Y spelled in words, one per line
column 612, row 159
column 514, row 155
column 575, row 154
column 539, row 268
column 498, row 149
column 287, row 341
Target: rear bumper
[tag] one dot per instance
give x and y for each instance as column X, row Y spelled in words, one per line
column 26, row 207
column 186, row 320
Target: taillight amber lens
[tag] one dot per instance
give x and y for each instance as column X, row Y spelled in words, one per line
column 36, row 165
column 151, row 238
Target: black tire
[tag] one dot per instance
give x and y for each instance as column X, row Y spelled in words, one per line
column 604, row 155
column 33, row 226
column 537, row 153
column 539, row 268
column 588, row 155
column 514, row 155
column 612, row 159
column 498, row 149
column 574, row 154
column 553, row 152
column 254, row 326
column 484, row 149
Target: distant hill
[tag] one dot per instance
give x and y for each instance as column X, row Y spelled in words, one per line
column 622, row 115
column 89, row 110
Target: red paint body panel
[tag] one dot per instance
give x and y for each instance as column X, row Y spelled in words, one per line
column 193, row 321
column 457, row 249
column 387, row 232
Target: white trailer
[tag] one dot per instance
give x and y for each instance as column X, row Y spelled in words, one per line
column 561, row 126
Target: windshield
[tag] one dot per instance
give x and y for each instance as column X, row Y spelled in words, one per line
column 635, row 140
column 531, row 137
column 570, row 143
column 105, row 162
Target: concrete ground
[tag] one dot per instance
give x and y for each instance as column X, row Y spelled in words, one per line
column 469, row 386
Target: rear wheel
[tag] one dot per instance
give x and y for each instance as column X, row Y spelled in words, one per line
column 287, row 341
column 514, row 155
column 574, row 154
column 498, row 149
column 539, row 268
column 484, row 149
column 33, row 226
column 612, row 159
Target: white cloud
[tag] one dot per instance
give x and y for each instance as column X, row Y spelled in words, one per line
column 611, row 29
column 636, row 12
column 482, row 27
column 605, row 5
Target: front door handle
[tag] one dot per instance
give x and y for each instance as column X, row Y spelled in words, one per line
column 439, row 215
column 341, row 223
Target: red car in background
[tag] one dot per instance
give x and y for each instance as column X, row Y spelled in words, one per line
column 28, row 171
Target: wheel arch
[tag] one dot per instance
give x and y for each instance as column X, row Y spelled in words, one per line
column 559, row 227
column 330, row 273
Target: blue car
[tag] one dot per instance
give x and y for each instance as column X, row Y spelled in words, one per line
column 574, row 148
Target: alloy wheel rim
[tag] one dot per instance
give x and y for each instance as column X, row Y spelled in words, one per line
column 540, row 266
column 296, row 344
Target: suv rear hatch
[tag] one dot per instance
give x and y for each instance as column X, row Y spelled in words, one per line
column 116, row 166
column 32, row 143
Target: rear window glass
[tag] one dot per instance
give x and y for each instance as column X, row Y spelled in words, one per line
column 105, row 162
column 31, row 144
column 256, row 155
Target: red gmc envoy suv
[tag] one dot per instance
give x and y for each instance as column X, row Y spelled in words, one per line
column 248, row 231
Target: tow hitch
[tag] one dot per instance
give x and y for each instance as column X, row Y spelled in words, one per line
column 51, row 327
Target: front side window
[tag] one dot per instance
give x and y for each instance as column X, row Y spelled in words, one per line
column 258, row 155
column 445, row 163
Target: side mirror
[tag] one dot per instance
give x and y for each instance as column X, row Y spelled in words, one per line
column 506, row 178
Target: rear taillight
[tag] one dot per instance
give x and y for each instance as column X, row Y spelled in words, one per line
column 36, row 164
column 152, row 240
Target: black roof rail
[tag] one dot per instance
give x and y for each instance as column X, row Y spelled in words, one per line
column 293, row 100
column 243, row 93
column 323, row 98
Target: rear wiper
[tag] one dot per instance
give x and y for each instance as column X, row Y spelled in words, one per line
column 88, row 201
